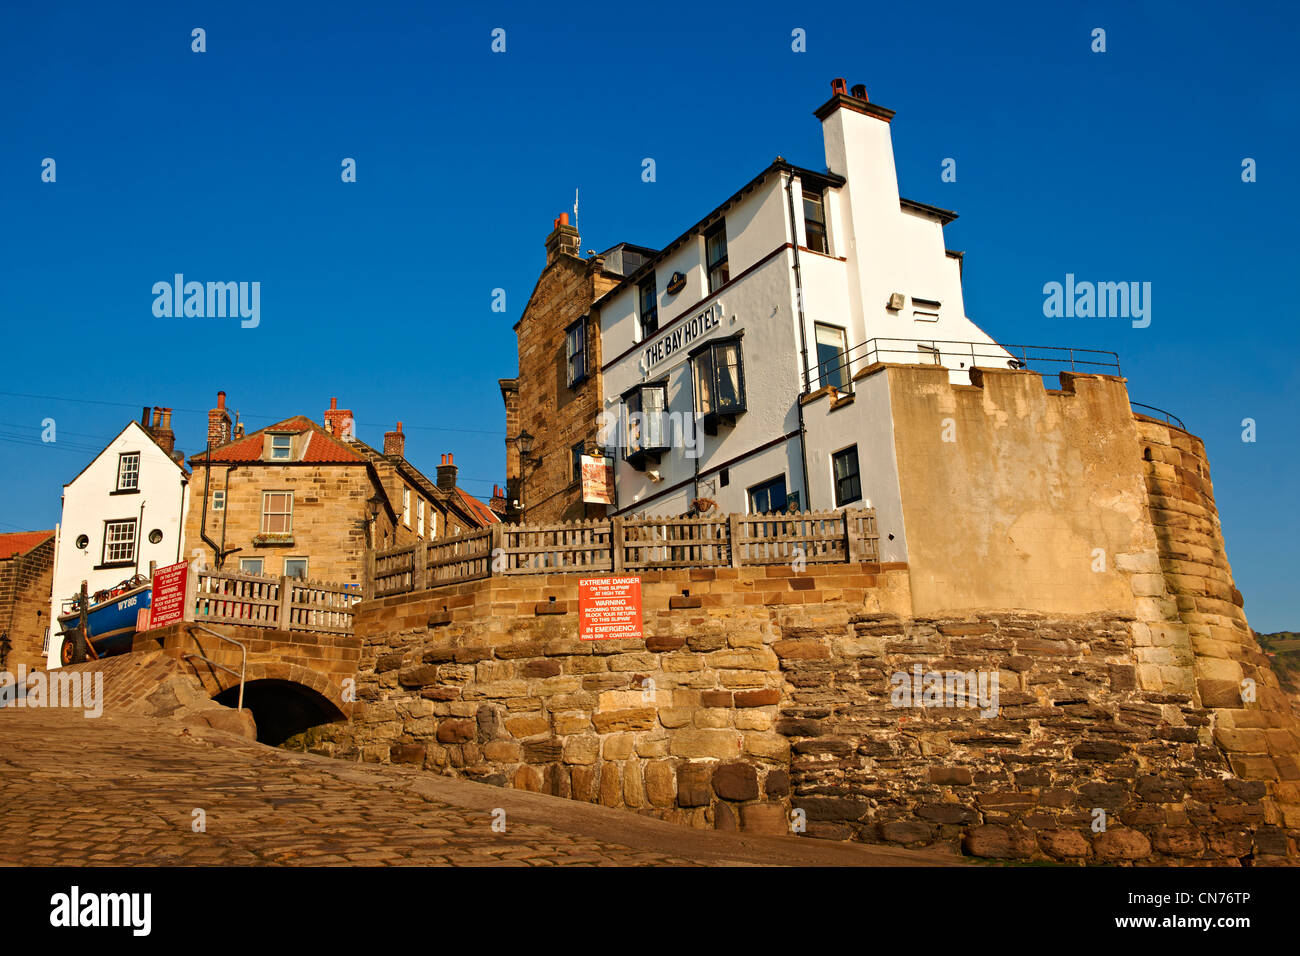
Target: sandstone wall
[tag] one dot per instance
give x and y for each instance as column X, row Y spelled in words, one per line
column 770, row 693
column 25, row 584
column 1261, row 734
column 329, row 518
column 1011, row 492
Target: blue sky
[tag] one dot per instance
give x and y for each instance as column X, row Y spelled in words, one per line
column 225, row 165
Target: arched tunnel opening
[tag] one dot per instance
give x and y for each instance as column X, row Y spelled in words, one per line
column 282, row 709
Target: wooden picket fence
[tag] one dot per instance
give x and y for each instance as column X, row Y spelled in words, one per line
column 283, row 603
column 621, row 545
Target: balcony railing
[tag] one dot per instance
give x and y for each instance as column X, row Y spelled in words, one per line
column 956, row 354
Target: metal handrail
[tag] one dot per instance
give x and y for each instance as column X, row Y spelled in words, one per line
column 1093, row 361
column 243, row 666
column 1169, row 417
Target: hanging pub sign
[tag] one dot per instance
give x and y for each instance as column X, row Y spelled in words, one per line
column 672, row 341
column 597, row 480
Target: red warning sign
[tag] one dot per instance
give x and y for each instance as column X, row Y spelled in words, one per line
column 609, row 608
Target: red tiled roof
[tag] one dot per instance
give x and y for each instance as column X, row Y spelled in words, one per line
column 477, row 508
column 20, row 542
column 321, row 448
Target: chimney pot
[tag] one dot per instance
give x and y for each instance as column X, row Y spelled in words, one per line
column 447, row 474
column 564, row 219
column 334, row 403
column 157, row 416
column 838, row 85
column 144, row 417
column 860, row 91
column 221, row 399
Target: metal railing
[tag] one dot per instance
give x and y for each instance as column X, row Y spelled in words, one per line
column 243, row 666
column 1169, row 418
column 958, row 354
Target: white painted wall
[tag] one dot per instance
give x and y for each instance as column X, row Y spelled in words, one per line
column 877, row 247
column 88, row 502
column 868, row 423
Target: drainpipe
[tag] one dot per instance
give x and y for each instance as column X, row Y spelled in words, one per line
column 203, row 521
column 180, row 520
column 803, row 341
column 139, row 539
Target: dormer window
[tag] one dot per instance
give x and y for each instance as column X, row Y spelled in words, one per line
column 715, row 256
column 649, row 307
column 645, row 423
column 281, row 447
column 719, row 382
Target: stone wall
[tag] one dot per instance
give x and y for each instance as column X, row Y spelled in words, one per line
column 329, row 517
column 762, row 692
column 1253, row 718
column 546, row 406
column 680, row 724
column 25, row 584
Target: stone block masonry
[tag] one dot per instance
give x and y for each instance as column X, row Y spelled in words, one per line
column 757, row 692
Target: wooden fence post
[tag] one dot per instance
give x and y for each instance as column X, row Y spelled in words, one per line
column 733, row 538
column 495, row 544
column 286, row 602
column 616, row 544
column 418, row 582
column 191, row 593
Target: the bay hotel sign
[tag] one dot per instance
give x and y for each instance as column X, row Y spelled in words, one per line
column 672, row 342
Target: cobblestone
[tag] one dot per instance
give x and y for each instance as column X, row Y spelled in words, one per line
column 122, row 790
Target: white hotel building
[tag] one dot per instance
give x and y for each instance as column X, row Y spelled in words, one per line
column 790, row 288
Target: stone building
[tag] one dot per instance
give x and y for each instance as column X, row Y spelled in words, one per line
column 557, row 395
column 26, row 576
column 307, row 500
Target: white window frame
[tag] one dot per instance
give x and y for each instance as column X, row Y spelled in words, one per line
column 306, row 566
column 419, row 517
column 406, row 506
column 288, row 450
column 260, row 562
column 133, row 540
column 122, row 460
column 266, row 514
column 219, row 500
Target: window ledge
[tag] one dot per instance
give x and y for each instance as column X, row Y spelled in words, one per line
column 125, row 491
column 114, row 564
column 271, row 540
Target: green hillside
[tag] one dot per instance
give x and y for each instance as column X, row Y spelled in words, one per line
column 1285, row 646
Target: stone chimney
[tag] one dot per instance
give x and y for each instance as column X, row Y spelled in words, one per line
column 219, row 422
column 395, row 442
column 563, row 240
column 338, row 421
column 447, row 474
column 239, row 426
column 498, row 502
column 158, row 423
column 162, row 431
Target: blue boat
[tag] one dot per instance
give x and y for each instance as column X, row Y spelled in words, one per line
column 111, row 620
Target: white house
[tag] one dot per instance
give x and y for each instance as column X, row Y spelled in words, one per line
column 124, row 510
column 796, row 283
